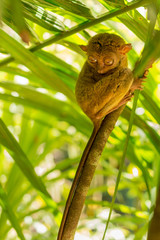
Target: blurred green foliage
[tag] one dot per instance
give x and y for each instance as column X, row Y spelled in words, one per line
column 43, row 131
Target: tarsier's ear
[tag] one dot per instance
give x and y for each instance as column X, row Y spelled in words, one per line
column 83, row 47
column 125, row 48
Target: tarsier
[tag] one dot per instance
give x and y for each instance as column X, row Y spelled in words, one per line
column 104, row 84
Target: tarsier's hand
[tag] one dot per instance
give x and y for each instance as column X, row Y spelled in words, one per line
column 138, row 82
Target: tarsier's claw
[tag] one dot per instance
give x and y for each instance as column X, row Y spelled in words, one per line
column 145, row 73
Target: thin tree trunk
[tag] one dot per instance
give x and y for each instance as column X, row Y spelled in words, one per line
column 87, row 174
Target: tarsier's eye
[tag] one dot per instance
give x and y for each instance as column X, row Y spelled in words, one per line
column 92, row 59
column 109, row 61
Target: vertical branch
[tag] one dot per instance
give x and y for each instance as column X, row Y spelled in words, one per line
column 87, row 174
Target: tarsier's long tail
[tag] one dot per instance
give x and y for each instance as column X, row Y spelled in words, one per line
column 76, row 179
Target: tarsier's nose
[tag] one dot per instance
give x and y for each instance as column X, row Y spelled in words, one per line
column 100, row 66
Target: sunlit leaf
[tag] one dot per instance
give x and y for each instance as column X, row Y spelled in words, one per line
column 7, row 139
column 42, row 17
column 4, row 202
column 34, row 64
column 74, row 6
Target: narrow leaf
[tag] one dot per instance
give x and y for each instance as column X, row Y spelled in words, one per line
column 7, row 140
column 19, row 21
column 151, row 106
column 73, row 6
column 42, row 17
column 4, row 202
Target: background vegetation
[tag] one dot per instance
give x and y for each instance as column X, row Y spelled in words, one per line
column 43, row 131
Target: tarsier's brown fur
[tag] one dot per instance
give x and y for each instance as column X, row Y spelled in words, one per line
column 104, row 84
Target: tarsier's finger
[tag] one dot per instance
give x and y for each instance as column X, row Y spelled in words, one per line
column 142, row 82
column 145, row 73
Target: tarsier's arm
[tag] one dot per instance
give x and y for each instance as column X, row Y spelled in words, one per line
column 103, row 86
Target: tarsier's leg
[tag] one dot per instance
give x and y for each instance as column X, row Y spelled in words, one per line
column 124, row 100
column 137, row 84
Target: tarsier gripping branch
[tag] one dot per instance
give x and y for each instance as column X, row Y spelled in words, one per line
column 105, row 83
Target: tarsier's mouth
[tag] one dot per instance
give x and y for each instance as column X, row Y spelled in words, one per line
column 101, row 71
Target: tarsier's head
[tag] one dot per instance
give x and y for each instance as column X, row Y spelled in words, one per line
column 106, row 51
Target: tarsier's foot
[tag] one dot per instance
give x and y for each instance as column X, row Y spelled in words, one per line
column 125, row 99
